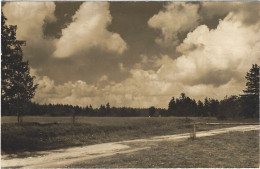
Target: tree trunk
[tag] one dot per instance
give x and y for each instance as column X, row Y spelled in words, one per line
column 19, row 118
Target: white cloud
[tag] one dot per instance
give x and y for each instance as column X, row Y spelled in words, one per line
column 30, row 18
column 142, row 89
column 89, row 29
column 68, row 93
column 177, row 17
column 248, row 13
column 231, row 46
column 214, row 62
column 201, row 91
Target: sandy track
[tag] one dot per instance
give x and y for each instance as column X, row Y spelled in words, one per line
column 64, row 157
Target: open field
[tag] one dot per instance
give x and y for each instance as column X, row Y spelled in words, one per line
column 104, row 121
column 105, row 153
column 45, row 133
column 230, row 150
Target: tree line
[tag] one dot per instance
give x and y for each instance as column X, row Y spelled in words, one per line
column 245, row 105
column 69, row 110
column 18, row 88
column 229, row 107
column 184, row 106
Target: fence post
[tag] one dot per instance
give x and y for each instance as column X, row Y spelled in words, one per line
column 194, row 131
column 18, row 118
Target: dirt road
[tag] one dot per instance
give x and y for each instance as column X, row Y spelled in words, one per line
column 64, row 157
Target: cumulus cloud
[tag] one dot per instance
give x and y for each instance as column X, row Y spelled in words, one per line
column 89, row 29
column 140, row 90
column 248, row 13
column 30, row 18
column 68, row 93
column 177, row 17
column 214, row 63
column 200, row 91
column 231, row 46
column 181, row 17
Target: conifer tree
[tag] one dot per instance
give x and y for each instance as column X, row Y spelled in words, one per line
column 171, row 107
column 252, row 85
column 250, row 98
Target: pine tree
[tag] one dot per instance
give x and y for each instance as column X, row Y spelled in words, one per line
column 206, row 107
column 171, row 107
column 252, row 85
column 17, row 83
column 107, row 109
column 250, row 104
column 200, row 109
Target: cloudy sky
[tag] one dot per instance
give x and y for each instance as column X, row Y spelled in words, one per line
column 136, row 54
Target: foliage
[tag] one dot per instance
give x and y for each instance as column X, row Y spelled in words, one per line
column 152, row 111
column 17, row 83
column 172, row 107
column 229, row 107
column 184, row 106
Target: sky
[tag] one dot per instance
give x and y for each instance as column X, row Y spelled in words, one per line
column 136, row 54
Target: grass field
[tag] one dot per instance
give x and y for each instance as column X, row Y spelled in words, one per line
column 45, row 133
column 104, row 121
column 231, row 150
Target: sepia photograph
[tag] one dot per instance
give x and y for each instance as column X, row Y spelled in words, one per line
column 130, row 84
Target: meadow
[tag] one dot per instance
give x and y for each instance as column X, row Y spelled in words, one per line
column 230, row 150
column 47, row 133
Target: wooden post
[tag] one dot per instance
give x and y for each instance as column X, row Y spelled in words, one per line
column 194, row 131
column 18, row 118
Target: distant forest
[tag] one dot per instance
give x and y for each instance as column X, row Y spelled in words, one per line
column 184, row 106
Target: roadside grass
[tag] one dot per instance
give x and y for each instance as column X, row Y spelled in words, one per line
column 230, row 150
column 43, row 135
column 47, row 133
column 100, row 121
